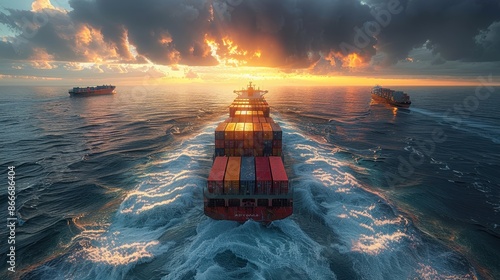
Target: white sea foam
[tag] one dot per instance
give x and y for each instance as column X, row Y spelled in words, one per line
column 380, row 242
column 161, row 219
column 160, row 200
column 262, row 252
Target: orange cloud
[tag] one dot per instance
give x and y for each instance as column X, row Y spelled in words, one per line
column 39, row 5
column 228, row 53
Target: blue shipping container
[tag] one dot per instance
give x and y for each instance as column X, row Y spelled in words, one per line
column 247, row 175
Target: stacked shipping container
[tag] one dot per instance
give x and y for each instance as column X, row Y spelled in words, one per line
column 261, row 137
column 248, row 177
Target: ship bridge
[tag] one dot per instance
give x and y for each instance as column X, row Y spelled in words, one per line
column 250, row 92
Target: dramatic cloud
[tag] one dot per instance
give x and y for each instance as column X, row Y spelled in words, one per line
column 54, row 33
column 447, row 27
column 320, row 34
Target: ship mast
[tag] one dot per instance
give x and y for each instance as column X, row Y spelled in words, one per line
column 250, row 92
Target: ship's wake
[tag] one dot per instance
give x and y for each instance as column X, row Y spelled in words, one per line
column 464, row 122
column 338, row 230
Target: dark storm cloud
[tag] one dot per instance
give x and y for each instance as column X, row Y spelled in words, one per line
column 295, row 32
column 447, row 27
column 287, row 33
column 38, row 30
column 166, row 32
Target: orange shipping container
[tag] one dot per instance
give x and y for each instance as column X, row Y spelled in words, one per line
column 239, row 131
column 248, row 130
column 268, row 131
column 232, row 176
column 229, row 132
column 219, row 131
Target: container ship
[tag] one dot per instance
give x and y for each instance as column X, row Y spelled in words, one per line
column 248, row 180
column 395, row 98
column 97, row 90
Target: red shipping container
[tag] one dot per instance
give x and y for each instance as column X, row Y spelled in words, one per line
column 280, row 179
column 215, row 182
column 263, row 175
column 219, row 143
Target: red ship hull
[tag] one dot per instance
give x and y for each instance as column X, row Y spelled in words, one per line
column 242, row 214
column 104, row 90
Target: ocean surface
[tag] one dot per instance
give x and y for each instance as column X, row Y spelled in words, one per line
column 110, row 187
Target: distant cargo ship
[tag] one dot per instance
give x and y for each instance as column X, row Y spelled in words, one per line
column 248, row 179
column 395, row 98
column 98, row 90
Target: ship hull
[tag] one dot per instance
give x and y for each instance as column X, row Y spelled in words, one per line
column 94, row 92
column 242, row 214
column 273, row 207
column 390, row 102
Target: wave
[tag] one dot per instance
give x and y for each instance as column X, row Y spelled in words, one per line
column 378, row 241
column 338, row 229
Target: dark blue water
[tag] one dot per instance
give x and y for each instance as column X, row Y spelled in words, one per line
column 109, row 187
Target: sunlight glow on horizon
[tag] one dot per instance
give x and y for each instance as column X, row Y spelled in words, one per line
column 224, row 73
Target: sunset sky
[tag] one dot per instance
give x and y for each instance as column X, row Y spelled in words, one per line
column 327, row 42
